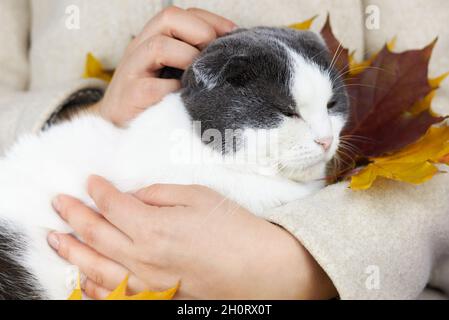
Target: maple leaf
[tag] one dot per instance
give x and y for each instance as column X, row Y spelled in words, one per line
column 304, row 25
column 119, row 293
column 77, row 293
column 94, row 69
column 390, row 108
column 384, row 99
column 413, row 164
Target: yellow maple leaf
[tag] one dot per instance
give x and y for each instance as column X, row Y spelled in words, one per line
column 94, row 69
column 425, row 103
column 435, row 82
column 119, row 293
column 414, row 164
column 305, row 25
column 77, row 293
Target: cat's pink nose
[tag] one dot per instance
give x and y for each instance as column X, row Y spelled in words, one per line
column 325, row 142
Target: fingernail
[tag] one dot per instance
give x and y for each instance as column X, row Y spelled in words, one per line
column 56, row 203
column 53, row 241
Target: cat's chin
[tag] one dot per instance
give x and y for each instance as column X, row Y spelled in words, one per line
column 313, row 172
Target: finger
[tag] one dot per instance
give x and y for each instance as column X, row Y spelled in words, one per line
column 158, row 52
column 148, row 91
column 220, row 24
column 92, row 227
column 95, row 291
column 169, row 195
column 103, row 271
column 181, row 24
column 123, row 210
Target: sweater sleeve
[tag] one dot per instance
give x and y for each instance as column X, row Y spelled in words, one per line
column 380, row 243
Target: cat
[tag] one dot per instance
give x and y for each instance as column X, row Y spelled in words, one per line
column 258, row 119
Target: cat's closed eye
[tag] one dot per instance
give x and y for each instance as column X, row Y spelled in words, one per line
column 331, row 104
column 290, row 113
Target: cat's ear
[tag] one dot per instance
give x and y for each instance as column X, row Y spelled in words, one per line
column 215, row 69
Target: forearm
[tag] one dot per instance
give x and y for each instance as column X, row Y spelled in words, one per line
column 272, row 264
column 293, row 270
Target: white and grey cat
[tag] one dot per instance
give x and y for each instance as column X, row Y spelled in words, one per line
column 263, row 108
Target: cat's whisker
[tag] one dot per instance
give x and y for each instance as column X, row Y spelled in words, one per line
column 335, row 166
column 351, row 97
column 349, row 148
column 346, row 153
column 367, row 68
column 336, row 56
column 338, row 164
column 356, row 85
column 346, row 163
column 358, row 138
column 347, row 142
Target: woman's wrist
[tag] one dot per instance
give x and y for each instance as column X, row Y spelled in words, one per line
column 289, row 269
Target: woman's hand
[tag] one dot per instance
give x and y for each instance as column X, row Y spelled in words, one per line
column 173, row 38
column 169, row 233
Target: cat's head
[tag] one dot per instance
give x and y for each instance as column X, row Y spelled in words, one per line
column 270, row 80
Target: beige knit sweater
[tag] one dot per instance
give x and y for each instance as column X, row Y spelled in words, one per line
column 388, row 242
